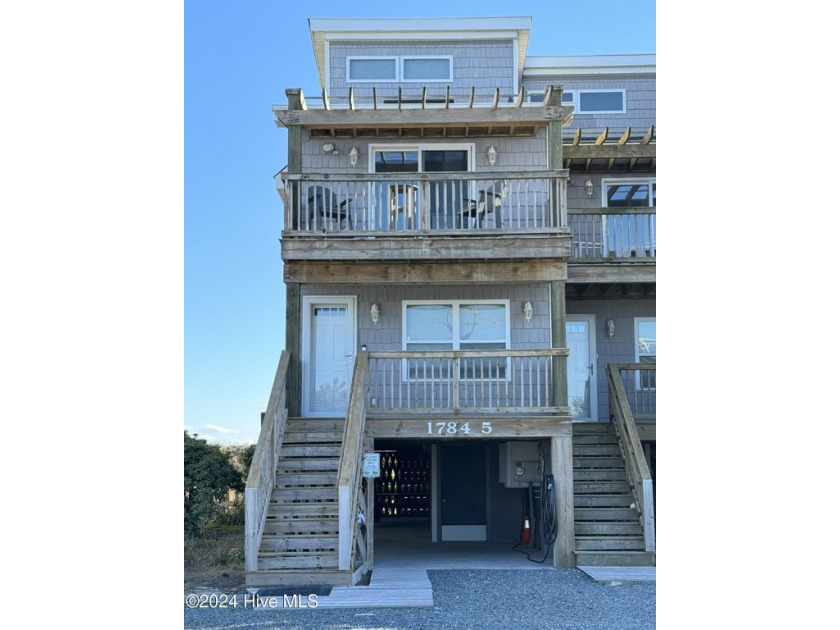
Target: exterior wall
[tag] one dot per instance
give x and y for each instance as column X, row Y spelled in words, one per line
column 386, row 334
column 483, row 64
column 640, row 95
column 619, row 349
column 525, row 154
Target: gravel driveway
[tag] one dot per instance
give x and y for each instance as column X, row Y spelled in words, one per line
column 471, row 599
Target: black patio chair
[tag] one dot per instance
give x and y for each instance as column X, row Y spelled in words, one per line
column 490, row 198
column 323, row 205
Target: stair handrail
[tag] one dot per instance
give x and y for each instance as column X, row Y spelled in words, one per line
column 625, row 424
column 349, row 480
column 261, row 475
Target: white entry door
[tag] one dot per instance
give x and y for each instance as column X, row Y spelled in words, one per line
column 329, row 348
column 581, row 366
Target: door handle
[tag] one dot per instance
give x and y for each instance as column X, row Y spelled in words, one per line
column 591, row 370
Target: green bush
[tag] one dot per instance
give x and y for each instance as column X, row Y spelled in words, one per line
column 208, row 474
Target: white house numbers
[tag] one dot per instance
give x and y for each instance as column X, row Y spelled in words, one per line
column 453, row 428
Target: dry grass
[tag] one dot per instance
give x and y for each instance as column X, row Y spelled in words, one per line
column 215, row 561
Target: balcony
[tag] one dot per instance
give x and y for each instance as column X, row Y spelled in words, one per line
column 610, row 233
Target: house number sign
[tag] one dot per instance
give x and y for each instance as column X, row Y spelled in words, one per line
column 453, row 428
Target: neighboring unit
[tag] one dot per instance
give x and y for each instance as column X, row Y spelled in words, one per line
column 469, row 248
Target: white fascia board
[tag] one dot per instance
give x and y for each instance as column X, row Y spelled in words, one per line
column 570, row 65
column 369, row 25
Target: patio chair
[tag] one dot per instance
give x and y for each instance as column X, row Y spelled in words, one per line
column 490, row 198
column 323, row 206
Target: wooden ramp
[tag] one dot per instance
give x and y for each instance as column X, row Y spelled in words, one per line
column 620, row 574
column 390, row 587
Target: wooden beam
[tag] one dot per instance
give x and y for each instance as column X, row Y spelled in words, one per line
column 606, row 151
column 578, row 135
column 472, row 96
column 293, row 332
column 501, row 427
column 447, row 97
column 374, row 99
column 395, row 273
column 521, row 98
column 350, row 99
column 495, row 102
column 648, row 136
column 423, row 98
column 603, row 137
column 480, row 116
column 326, row 100
column 613, row 272
column 432, row 248
column 399, row 97
column 624, row 137
column 296, row 100
column 558, row 340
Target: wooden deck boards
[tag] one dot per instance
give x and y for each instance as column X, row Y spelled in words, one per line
column 621, row 574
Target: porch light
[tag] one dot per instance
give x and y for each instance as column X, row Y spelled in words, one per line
column 528, row 310
column 354, row 156
column 328, row 147
column 491, row 155
column 588, row 187
column 610, row 328
column 374, row 313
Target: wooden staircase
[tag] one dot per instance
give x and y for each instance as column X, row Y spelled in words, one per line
column 299, row 545
column 608, row 531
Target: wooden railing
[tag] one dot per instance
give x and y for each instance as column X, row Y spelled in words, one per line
column 490, row 381
column 388, row 204
column 622, row 417
column 261, row 476
column 354, row 515
column 599, row 233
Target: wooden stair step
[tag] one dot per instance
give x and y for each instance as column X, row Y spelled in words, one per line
column 304, row 494
column 598, row 462
column 291, row 452
column 606, row 514
column 593, row 439
column 600, row 474
column 307, row 464
column 581, row 428
column 585, row 450
column 296, row 526
column 298, row 577
column 616, row 558
column 299, row 543
column 303, row 560
column 315, row 424
column 303, row 510
column 602, row 487
column 590, row 528
column 604, row 543
column 305, row 479
column 603, row 500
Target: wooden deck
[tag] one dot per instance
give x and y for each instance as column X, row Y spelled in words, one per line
column 621, row 574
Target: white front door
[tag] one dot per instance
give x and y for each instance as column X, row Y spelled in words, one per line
column 581, row 367
column 329, row 347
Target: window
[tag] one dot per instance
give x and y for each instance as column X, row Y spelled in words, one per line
column 635, row 193
column 461, row 325
column 408, row 68
column 645, row 328
column 600, row 102
column 372, row 69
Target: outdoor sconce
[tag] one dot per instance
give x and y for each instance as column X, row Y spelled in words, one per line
column 528, row 310
column 374, row 313
column 354, row 156
column 588, row 187
column 329, row 147
column 610, row 328
column 491, row 155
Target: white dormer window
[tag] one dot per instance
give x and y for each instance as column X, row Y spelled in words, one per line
column 408, row 68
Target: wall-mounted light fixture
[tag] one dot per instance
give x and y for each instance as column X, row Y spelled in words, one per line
column 610, row 328
column 528, row 310
column 491, row 155
column 588, row 188
column 374, row 313
column 354, row 156
column 329, row 147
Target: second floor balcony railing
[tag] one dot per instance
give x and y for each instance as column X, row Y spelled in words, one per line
column 392, row 204
column 599, row 233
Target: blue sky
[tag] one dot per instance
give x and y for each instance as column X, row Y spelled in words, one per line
column 239, row 57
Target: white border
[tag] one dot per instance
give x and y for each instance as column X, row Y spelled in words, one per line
column 626, row 180
column 399, row 70
column 306, row 306
column 579, row 111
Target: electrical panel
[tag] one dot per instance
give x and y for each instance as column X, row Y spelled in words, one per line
column 519, row 464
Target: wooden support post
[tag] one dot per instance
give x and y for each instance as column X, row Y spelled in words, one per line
column 293, row 323
column 562, row 469
column 558, row 340
column 369, row 510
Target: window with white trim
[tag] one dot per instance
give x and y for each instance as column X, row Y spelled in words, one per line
column 589, row 101
column 630, row 193
column 456, row 325
column 645, row 336
column 408, row 68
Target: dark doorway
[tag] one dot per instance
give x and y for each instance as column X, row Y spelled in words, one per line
column 463, row 492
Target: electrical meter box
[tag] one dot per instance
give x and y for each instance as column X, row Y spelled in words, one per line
column 519, row 464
